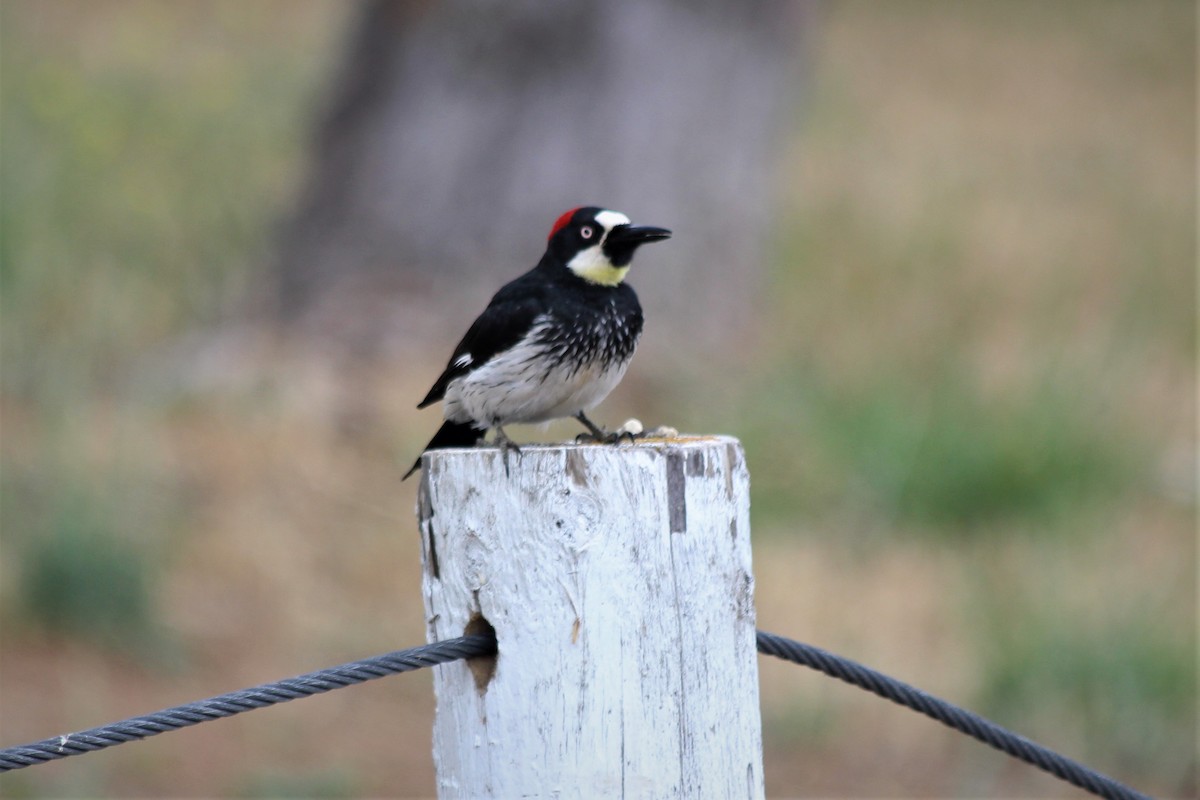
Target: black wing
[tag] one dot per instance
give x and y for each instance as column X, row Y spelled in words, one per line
column 502, row 324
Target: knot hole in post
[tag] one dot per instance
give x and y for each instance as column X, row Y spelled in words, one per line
column 482, row 667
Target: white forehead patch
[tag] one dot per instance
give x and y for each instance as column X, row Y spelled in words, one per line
column 591, row 263
column 611, row 219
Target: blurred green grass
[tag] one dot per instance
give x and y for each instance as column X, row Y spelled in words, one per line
column 939, row 457
column 82, row 577
column 981, row 338
column 147, row 154
column 1128, row 686
column 979, row 347
column 144, row 169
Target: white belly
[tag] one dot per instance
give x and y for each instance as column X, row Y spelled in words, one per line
column 517, row 387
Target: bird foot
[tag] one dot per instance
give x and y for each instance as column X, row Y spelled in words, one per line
column 630, row 431
column 506, row 446
column 606, row 437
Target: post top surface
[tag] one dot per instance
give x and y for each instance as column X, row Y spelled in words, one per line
column 539, row 463
column 655, row 443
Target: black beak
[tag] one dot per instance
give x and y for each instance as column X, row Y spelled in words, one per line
column 631, row 236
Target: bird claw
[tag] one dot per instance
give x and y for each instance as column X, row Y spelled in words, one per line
column 631, row 431
column 604, row 438
column 609, row 437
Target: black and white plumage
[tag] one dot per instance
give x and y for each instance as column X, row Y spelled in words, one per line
column 552, row 343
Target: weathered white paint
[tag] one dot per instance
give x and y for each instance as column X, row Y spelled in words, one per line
column 618, row 581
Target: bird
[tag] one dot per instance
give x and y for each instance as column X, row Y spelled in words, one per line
column 553, row 342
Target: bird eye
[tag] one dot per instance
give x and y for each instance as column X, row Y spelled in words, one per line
column 586, row 231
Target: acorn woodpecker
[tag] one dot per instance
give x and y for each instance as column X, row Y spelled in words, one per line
column 552, row 343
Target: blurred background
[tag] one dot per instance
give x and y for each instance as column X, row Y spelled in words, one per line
column 934, row 264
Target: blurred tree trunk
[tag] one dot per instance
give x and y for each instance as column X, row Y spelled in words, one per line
column 457, row 131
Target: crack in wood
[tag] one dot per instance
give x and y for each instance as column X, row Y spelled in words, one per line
column 676, row 492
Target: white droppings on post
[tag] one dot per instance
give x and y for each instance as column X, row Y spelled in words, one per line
column 618, row 581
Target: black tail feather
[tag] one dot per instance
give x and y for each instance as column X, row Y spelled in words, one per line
column 451, row 434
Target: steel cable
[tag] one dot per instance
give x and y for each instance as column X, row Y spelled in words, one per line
column 948, row 714
column 415, row 658
column 227, row 705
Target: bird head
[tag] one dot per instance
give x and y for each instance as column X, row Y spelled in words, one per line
column 597, row 244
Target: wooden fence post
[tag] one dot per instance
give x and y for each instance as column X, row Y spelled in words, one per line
column 618, row 582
